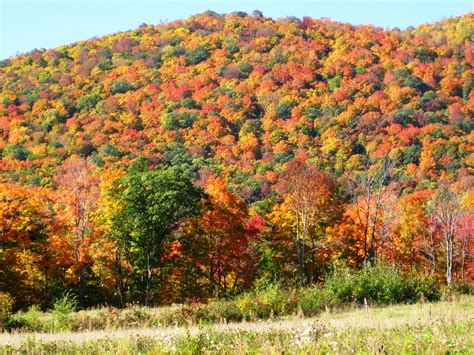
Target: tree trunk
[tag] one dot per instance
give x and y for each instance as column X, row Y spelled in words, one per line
column 313, row 260
column 119, row 286
column 366, row 235
column 449, row 258
column 213, row 247
column 464, row 247
column 211, row 279
column 433, row 252
column 149, row 275
column 462, row 262
column 81, row 287
column 299, row 251
column 304, row 219
column 301, row 263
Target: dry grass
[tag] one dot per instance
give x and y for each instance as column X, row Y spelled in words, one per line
column 443, row 326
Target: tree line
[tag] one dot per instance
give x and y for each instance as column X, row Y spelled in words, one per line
column 149, row 234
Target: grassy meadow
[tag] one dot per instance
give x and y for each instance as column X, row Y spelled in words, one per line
column 434, row 328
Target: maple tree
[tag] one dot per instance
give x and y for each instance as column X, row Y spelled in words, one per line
column 27, row 219
column 77, row 194
column 371, row 192
column 309, row 199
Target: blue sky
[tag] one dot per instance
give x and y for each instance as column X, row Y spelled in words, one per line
column 29, row 24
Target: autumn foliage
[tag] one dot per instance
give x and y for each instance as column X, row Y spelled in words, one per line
column 316, row 143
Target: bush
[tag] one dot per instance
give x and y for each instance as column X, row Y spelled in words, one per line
column 61, row 310
column 381, row 284
column 270, row 300
column 341, row 284
column 424, row 287
column 33, row 320
column 465, row 289
column 6, row 304
column 59, row 318
column 313, row 300
column 218, row 311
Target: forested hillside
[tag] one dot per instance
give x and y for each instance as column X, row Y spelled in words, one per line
column 202, row 157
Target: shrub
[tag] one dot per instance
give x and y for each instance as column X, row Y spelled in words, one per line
column 313, row 300
column 249, row 308
column 424, row 287
column 61, row 310
column 341, row 284
column 6, row 304
column 465, row 289
column 270, row 300
column 218, row 311
column 33, row 320
column 381, row 284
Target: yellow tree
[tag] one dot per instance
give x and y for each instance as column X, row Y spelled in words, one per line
column 26, row 220
column 113, row 268
column 414, row 241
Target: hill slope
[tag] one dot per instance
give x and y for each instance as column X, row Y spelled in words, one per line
column 240, row 95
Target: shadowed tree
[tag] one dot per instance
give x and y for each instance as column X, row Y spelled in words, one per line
column 154, row 204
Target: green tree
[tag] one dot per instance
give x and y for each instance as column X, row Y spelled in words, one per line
column 120, row 87
column 155, row 202
column 284, row 108
column 197, row 55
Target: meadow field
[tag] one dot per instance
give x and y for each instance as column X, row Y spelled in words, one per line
column 432, row 328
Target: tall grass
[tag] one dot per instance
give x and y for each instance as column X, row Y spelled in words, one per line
column 344, row 288
column 440, row 337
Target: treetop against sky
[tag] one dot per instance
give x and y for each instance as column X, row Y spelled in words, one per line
column 26, row 25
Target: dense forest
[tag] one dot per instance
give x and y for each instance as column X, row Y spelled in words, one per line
column 199, row 158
